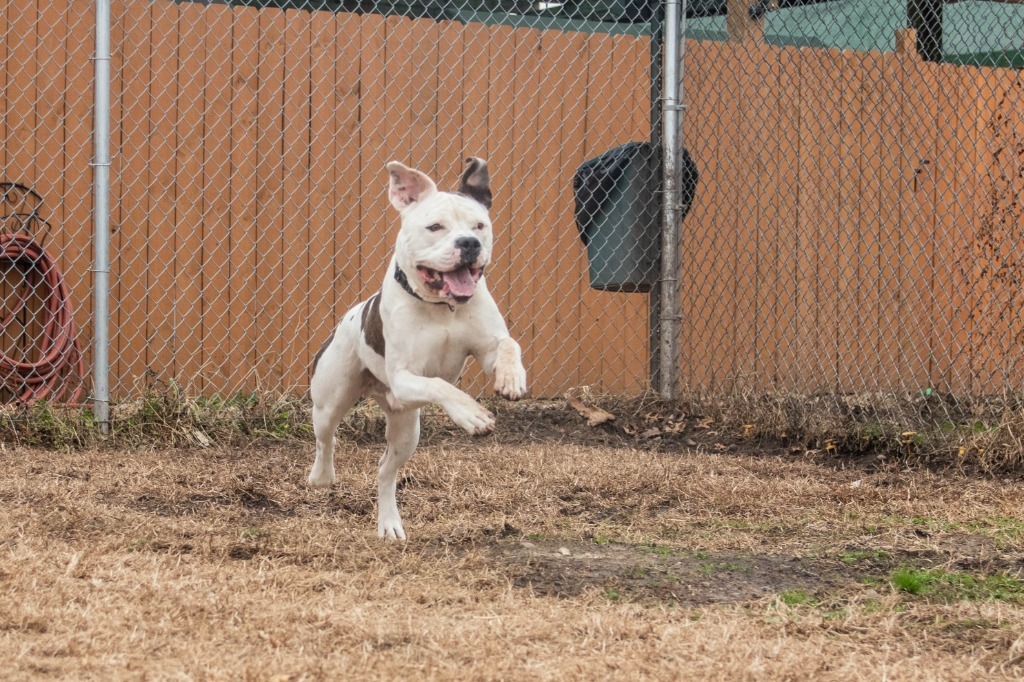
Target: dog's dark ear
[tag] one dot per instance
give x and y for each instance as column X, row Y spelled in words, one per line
column 408, row 185
column 476, row 183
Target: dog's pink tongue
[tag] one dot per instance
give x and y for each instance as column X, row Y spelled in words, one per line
column 460, row 282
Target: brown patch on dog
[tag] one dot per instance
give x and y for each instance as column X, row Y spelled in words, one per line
column 373, row 326
column 319, row 353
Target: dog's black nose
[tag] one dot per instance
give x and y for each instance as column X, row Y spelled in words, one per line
column 470, row 248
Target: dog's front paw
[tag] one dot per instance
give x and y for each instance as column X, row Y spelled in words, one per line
column 389, row 526
column 321, row 477
column 472, row 417
column 510, row 382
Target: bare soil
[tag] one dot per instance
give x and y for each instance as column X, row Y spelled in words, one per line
column 533, row 554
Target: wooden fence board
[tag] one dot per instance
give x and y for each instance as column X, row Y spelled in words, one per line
column 189, row 226
column 296, row 238
column 216, row 183
column 917, row 205
column 325, row 217
column 163, row 164
column 890, row 223
column 242, row 281
column 131, row 239
column 849, row 289
column 378, row 222
column 872, row 182
column 270, row 197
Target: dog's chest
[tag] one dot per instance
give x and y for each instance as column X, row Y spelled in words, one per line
column 437, row 351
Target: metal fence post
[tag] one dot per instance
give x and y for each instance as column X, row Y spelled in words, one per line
column 669, row 323
column 101, row 214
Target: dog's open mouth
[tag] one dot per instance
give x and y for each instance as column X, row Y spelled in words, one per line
column 459, row 283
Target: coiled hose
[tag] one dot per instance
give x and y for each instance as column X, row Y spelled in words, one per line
column 57, row 373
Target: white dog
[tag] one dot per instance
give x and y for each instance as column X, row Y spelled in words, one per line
column 407, row 344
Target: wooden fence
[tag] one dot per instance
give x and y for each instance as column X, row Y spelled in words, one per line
column 858, row 223
column 249, row 189
column 854, row 228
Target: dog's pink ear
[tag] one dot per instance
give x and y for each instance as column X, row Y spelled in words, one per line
column 408, row 185
column 476, row 182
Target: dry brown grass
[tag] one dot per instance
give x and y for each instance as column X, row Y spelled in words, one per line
column 219, row 564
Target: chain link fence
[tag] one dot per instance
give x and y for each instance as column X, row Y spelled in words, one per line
column 855, row 227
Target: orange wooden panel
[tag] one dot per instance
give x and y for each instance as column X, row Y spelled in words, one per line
column 325, row 120
column 625, row 365
column 765, row 118
column 598, row 336
column 850, row 207
column 22, row 87
column 636, row 309
column 189, row 227
column 475, row 85
column 5, row 67
column 501, row 75
column 719, row 289
column 422, row 100
column 476, row 134
column 995, row 242
column 920, row 85
column 499, row 150
column 698, row 132
column 830, row 171
column 378, row 220
column 395, row 142
column 701, row 133
column 294, row 240
column 160, row 331
column 48, row 115
column 810, row 350
column 552, row 303
column 347, row 163
column 520, row 251
column 216, row 179
column 788, row 326
column 270, row 197
column 875, row 118
column 22, row 146
column 891, row 248
column 450, row 153
column 76, row 260
column 750, row 237
column 243, row 296
column 48, row 144
column 131, row 240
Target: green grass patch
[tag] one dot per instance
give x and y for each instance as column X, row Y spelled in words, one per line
column 854, row 556
column 794, row 598
column 947, row 586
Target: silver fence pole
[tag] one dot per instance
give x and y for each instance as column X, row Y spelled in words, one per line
column 101, row 216
column 670, row 307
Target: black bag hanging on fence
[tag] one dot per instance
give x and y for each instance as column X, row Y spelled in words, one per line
column 617, row 209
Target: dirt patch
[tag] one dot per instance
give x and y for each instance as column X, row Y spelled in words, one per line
column 568, row 570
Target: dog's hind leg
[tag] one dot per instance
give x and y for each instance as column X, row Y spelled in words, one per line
column 403, row 434
column 328, row 412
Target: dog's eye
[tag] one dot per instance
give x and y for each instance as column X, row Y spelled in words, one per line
column 435, row 227
column 479, row 226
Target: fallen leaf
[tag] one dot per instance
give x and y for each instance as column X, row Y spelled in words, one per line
column 593, row 415
column 651, row 433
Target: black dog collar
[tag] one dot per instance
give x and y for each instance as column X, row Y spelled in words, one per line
column 403, row 282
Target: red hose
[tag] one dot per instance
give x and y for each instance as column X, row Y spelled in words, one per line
column 58, row 373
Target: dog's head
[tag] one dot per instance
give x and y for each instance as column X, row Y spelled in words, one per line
column 445, row 240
